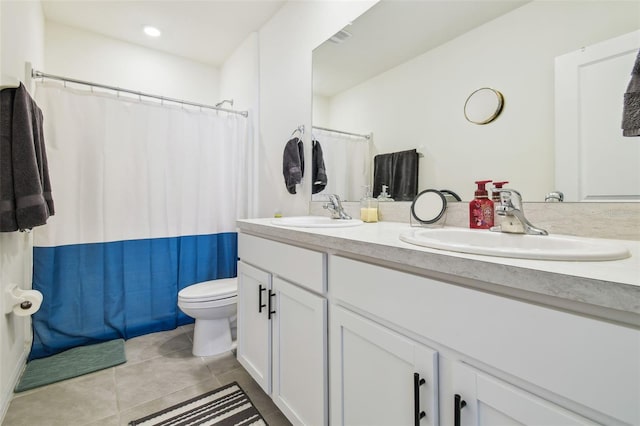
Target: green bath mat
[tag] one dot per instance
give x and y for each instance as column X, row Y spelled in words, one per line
column 71, row 363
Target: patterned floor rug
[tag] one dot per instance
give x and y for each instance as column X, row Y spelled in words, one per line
column 225, row 406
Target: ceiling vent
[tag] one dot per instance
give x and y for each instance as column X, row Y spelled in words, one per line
column 340, row 37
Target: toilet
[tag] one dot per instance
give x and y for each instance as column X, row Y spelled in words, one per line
column 213, row 305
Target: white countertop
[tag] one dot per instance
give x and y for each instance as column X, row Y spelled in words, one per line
column 612, row 287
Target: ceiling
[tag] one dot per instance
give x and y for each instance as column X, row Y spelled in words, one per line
column 206, row 31
column 394, row 31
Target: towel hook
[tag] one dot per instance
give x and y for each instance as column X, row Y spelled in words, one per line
column 299, row 129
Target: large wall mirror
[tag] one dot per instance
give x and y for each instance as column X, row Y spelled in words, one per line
column 397, row 79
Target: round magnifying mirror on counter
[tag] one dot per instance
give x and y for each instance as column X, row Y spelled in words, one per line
column 429, row 206
column 483, row 106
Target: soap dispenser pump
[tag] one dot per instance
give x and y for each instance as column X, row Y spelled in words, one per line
column 495, row 193
column 368, row 206
column 384, row 195
column 481, row 208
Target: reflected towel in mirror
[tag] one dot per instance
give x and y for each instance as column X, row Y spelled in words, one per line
column 631, row 110
column 399, row 171
column 318, row 170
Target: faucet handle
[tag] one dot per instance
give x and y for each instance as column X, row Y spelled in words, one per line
column 335, row 200
column 510, row 198
column 554, row 196
column 335, row 207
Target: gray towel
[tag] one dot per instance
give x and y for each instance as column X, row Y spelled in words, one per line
column 631, row 108
column 293, row 164
column 25, row 189
column 318, row 171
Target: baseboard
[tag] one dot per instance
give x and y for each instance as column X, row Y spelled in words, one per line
column 7, row 393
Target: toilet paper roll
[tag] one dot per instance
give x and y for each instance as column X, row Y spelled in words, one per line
column 30, row 302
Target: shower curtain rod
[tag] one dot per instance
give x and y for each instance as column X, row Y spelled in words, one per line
column 39, row 74
column 342, row 132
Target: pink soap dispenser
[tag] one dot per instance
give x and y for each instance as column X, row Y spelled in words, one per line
column 481, row 208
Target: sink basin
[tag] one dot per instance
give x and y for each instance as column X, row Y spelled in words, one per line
column 315, row 222
column 549, row 247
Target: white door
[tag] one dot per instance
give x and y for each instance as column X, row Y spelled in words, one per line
column 379, row 377
column 299, row 354
column 594, row 162
column 254, row 327
column 477, row 399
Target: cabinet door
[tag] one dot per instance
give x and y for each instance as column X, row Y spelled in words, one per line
column 477, row 399
column 299, row 354
column 254, row 328
column 373, row 375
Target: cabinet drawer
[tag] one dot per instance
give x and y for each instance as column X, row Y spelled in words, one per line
column 303, row 266
column 591, row 362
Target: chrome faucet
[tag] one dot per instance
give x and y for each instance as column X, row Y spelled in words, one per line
column 335, row 207
column 510, row 208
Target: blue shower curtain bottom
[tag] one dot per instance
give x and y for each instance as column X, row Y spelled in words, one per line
column 122, row 289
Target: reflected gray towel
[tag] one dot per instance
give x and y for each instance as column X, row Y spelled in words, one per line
column 293, row 164
column 318, row 171
column 25, row 188
column 399, row 171
column 631, row 109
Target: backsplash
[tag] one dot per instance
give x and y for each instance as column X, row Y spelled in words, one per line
column 600, row 220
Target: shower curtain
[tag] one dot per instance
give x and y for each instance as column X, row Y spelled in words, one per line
column 146, row 201
column 347, row 161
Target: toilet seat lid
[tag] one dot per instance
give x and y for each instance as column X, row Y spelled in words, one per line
column 210, row 290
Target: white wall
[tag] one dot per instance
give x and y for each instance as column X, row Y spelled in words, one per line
column 321, row 110
column 83, row 55
column 239, row 81
column 421, row 101
column 239, row 75
column 286, row 42
column 21, row 40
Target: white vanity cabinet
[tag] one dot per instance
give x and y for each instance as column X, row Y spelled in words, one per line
column 379, row 377
column 282, row 325
column 507, row 359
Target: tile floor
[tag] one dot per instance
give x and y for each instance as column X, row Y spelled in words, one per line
column 160, row 371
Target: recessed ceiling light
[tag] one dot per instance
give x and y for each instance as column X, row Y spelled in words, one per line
column 151, row 31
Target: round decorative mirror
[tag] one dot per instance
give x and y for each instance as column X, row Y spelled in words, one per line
column 429, row 206
column 483, row 106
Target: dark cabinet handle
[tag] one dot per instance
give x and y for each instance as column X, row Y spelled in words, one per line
column 458, row 405
column 270, row 312
column 260, row 304
column 417, row 414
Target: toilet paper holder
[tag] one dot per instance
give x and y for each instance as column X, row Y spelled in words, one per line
column 16, row 296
